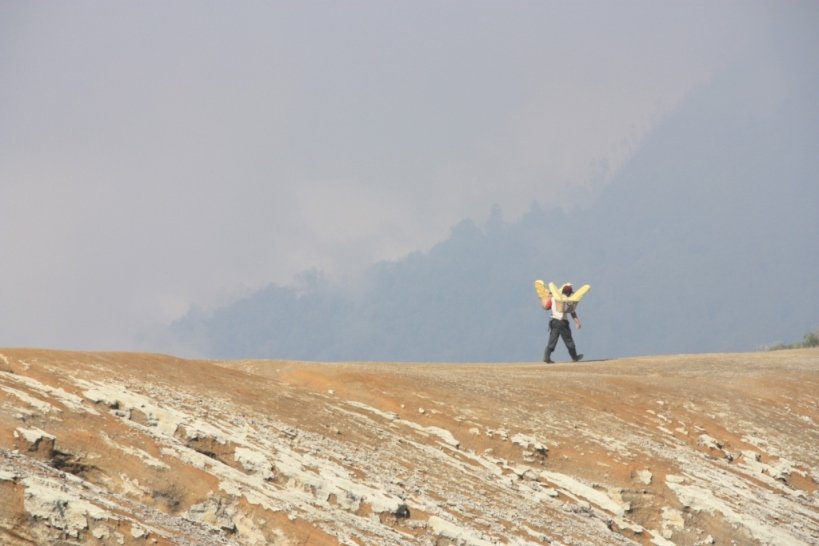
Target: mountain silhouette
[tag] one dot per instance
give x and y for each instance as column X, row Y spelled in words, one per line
column 705, row 241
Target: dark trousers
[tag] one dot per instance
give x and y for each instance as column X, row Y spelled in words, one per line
column 560, row 328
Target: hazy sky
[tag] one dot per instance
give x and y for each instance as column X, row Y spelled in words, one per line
column 159, row 154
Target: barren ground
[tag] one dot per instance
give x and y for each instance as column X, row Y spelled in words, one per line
column 104, row 448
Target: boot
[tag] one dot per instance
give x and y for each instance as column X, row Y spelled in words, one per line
column 548, row 358
column 577, row 358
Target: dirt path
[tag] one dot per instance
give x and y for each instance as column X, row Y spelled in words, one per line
column 103, row 448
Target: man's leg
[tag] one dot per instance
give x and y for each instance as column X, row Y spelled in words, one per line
column 566, row 333
column 554, row 334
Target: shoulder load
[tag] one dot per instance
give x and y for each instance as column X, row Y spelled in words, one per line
column 576, row 296
column 567, row 303
column 550, row 295
column 543, row 294
column 579, row 293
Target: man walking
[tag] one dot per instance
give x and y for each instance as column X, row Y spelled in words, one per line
column 559, row 325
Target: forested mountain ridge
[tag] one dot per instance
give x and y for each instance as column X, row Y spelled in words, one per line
column 705, row 241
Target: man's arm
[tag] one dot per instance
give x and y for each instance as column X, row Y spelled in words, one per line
column 576, row 320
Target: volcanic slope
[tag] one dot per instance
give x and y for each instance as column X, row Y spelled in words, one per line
column 116, row 448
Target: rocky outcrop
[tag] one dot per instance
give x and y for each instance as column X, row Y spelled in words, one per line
column 127, row 449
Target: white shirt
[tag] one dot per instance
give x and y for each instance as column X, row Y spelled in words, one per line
column 562, row 308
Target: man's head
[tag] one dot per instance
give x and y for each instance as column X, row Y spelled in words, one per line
column 567, row 289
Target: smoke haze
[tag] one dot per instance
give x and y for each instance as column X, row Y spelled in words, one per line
column 158, row 155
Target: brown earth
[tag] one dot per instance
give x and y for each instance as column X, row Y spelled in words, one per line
column 104, row 448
